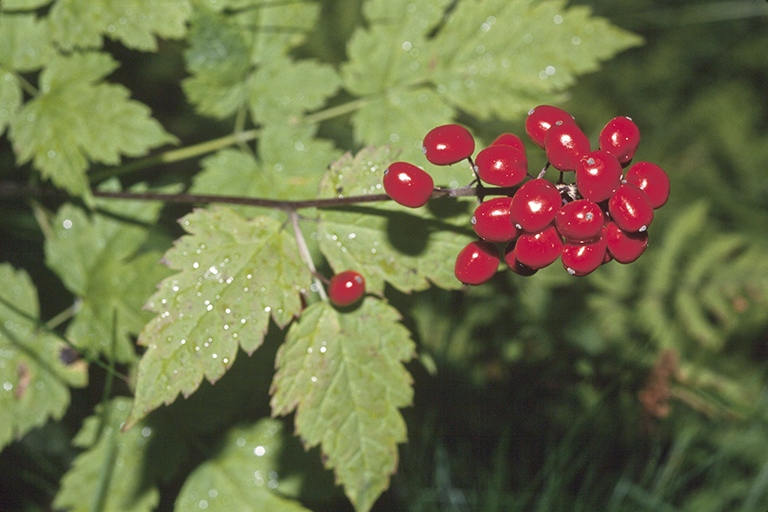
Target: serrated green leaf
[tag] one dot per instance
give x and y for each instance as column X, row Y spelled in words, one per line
column 409, row 248
column 282, row 88
column 34, row 372
column 109, row 475
column 74, row 120
column 135, row 23
column 219, row 59
column 95, row 257
column 24, row 47
column 259, row 467
column 409, row 114
column 343, row 374
column 24, row 43
column 502, row 57
column 490, row 58
column 234, row 275
column 238, row 58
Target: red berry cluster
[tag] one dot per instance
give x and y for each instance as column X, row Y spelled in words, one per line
column 602, row 214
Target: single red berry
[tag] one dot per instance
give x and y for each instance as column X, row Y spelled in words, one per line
column 620, row 137
column 623, row 246
column 448, row 144
column 500, row 165
column 598, row 176
column 509, row 139
column 652, row 180
column 346, row 288
column 492, row 221
column 477, row 262
column 407, row 184
column 540, row 119
column 579, row 220
column 565, row 145
column 537, row 250
column 630, row 208
column 581, row 258
column 535, row 205
column 510, row 257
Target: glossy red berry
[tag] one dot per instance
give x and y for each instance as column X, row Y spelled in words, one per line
column 652, row 180
column 624, row 247
column 537, row 250
column 630, row 208
column 598, row 176
column 509, row 139
column 492, row 221
column 579, row 220
column 535, row 205
column 448, row 144
column 540, row 119
column 346, row 288
column 581, row 258
column 565, row 145
column 477, row 262
column 500, row 165
column 620, row 137
column 407, row 184
column 510, row 257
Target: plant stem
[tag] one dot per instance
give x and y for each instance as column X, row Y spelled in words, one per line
column 176, row 155
column 240, row 137
column 305, row 255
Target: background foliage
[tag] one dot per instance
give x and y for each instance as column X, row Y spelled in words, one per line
column 638, row 387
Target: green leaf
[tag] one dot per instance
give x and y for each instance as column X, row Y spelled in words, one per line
column 24, row 43
column 24, row 47
column 135, row 23
column 239, row 58
column 110, row 474
column 234, row 275
column 259, row 467
column 343, row 374
column 36, row 368
column 219, row 59
column 489, row 58
column 283, row 89
column 409, row 248
column 96, row 258
column 502, row 57
column 74, row 120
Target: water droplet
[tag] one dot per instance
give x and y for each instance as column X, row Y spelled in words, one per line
column 259, row 451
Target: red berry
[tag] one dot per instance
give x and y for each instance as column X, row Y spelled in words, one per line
column 509, row 139
column 620, row 137
column 448, row 144
column 652, row 180
column 510, row 257
column 581, row 258
column 565, row 145
column 623, row 246
column 477, row 262
column 535, row 205
column 580, row 220
column 598, row 176
column 503, row 166
column 492, row 222
column 346, row 288
column 540, row 119
column 630, row 208
column 537, row 250
column 407, row 184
